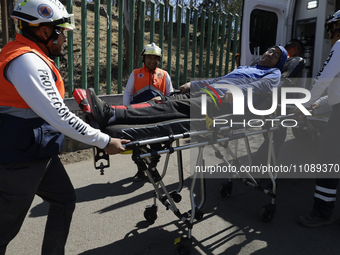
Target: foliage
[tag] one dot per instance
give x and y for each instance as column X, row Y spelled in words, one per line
column 228, row 6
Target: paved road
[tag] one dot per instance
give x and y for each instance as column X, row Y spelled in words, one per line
column 109, row 215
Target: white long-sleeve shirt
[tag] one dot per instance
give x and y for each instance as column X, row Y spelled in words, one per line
column 327, row 78
column 25, row 73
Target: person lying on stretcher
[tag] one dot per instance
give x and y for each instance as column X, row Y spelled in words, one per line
column 262, row 77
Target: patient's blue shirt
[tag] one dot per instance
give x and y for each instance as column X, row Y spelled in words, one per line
column 261, row 79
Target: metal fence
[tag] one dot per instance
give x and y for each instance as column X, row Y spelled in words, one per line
column 215, row 56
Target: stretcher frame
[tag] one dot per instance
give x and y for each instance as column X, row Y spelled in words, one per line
column 170, row 198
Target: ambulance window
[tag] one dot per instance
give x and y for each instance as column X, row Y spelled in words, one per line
column 263, row 28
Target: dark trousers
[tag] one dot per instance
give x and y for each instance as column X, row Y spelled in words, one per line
column 19, row 182
column 323, row 207
column 177, row 106
column 325, row 190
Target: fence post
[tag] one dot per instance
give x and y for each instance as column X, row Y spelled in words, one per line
column 207, row 64
column 171, row 14
column 70, row 54
column 161, row 30
column 230, row 18
column 57, row 62
column 178, row 46
column 120, row 45
column 152, row 22
column 131, row 35
column 142, row 29
column 84, row 43
column 222, row 44
column 217, row 27
column 109, row 45
column 200, row 71
column 4, row 17
column 186, row 45
column 235, row 40
column 194, row 45
column 96, row 46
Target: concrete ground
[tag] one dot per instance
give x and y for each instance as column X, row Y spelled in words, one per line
column 109, row 214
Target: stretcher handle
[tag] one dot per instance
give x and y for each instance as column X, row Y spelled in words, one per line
column 130, row 145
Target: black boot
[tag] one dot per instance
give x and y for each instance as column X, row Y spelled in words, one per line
column 100, row 110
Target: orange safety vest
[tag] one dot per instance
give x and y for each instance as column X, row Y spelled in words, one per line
column 9, row 96
column 145, row 77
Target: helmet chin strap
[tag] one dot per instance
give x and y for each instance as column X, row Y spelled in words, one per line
column 54, row 36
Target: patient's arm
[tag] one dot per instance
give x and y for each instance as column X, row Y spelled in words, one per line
column 228, row 97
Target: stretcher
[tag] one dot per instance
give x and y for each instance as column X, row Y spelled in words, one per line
column 198, row 134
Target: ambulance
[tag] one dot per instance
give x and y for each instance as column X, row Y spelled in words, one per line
column 274, row 22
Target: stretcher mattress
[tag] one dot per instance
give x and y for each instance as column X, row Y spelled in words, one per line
column 139, row 132
column 155, row 130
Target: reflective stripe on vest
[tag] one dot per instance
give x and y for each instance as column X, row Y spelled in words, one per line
column 149, row 79
column 9, row 96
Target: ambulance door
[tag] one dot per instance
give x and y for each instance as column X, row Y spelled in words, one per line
column 309, row 29
column 263, row 25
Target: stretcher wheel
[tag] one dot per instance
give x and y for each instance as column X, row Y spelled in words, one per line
column 198, row 214
column 150, row 213
column 176, row 197
column 184, row 246
column 226, row 189
column 268, row 213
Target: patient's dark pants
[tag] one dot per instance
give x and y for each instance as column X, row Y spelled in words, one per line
column 19, row 182
column 178, row 106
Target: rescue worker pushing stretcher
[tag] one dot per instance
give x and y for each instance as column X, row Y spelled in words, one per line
column 33, row 117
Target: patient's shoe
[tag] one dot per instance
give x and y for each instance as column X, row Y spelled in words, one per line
column 312, row 221
column 100, row 110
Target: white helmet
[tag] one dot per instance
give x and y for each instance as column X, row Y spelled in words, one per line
column 152, row 49
column 35, row 12
column 330, row 20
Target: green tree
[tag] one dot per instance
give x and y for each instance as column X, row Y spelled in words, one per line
column 232, row 6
